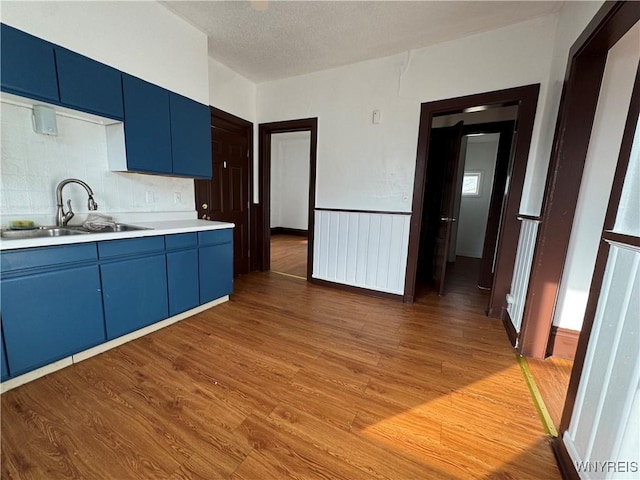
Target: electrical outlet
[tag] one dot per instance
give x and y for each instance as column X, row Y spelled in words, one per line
column 150, row 196
column 177, row 197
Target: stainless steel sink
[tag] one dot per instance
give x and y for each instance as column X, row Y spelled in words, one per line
column 40, row 232
column 118, row 227
column 44, row 232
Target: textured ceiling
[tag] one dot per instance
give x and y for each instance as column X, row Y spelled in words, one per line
column 267, row 40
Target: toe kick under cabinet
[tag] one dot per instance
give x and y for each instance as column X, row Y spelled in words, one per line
column 60, row 300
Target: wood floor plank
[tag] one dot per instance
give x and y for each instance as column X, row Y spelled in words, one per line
column 289, row 380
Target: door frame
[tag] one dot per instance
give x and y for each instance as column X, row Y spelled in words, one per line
column 265, row 130
column 526, row 97
column 585, row 70
column 232, row 123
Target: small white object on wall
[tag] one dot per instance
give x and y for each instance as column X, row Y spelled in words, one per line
column 376, row 117
column 44, row 120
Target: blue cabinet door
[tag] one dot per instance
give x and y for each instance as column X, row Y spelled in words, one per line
column 49, row 316
column 182, row 276
column 134, row 293
column 4, row 373
column 215, row 264
column 190, row 137
column 88, row 85
column 27, row 65
column 147, row 126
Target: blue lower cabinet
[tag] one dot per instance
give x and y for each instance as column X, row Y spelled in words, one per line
column 182, row 275
column 215, row 271
column 51, row 315
column 4, row 374
column 134, row 293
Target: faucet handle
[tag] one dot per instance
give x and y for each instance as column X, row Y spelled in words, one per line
column 91, row 204
column 69, row 215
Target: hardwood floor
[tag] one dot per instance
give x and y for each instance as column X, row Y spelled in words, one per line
column 289, row 254
column 552, row 377
column 288, row 380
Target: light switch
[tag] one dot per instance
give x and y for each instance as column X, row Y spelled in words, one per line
column 376, row 117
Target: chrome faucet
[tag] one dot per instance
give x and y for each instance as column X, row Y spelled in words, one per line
column 63, row 218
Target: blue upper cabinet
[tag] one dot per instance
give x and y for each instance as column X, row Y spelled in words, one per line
column 190, row 137
column 147, row 126
column 27, row 65
column 88, row 85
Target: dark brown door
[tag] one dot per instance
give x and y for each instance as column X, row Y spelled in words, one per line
column 226, row 196
column 448, row 151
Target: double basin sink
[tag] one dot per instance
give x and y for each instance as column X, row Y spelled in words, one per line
column 44, row 232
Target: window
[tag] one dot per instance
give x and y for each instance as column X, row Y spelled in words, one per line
column 471, row 183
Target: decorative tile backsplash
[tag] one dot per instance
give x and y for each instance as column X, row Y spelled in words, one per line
column 32, row 165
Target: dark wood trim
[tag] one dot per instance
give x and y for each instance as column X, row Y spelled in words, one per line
column 603, row 252
column 563, row 343
column 228, row 121
column 565, row 463
column 610, row 237
column 526, row 98
column 509, row 328
column 357, row 290
column 361, row 211
column 573, row 130
column 533, row 218
column 289, row 231
column 265, row 130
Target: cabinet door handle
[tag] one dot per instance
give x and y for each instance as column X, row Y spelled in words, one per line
column 205, row 206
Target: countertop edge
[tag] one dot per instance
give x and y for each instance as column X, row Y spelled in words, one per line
column 156, row 228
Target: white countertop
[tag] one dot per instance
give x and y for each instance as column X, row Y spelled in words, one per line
column 157, row 228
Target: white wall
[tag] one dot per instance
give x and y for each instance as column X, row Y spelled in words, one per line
column 290, row 180
column 371, row 167
column 231, row 92
column 600, row 164
column 474, row 211
column 141, row 38
column 571, row 21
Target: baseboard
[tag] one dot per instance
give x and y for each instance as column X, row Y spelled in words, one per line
column 103, row 347
column 565, row 462
column 289, row 231
column 508, row 326
column 563, row 343
column 358, row 290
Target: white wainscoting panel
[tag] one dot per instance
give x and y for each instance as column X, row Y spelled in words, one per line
column 367, row 250
column 605, row 424
column 522, row 270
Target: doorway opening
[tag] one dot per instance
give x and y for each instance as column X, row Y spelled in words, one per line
column 289, row 225
column 469, row 158
column 438, row 185
column 287, row 172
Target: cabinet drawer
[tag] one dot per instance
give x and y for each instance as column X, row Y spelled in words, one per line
column 181, row 240
column 130, row 246
column 17, row 260
column 215, row 237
